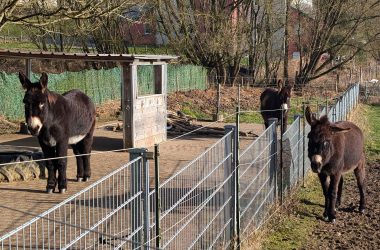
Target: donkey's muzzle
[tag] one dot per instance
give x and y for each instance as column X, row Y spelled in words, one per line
column 34, row 130
column 316, row 163
column 316, row 167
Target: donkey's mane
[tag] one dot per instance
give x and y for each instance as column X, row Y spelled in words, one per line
column 52, row 97
column 324, row 119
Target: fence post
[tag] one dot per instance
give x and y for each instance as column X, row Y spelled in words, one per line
column 298, row 116
column 236, row 173
column 140, row 182
column 216, row 118
column 334, row 111
column 157, row 194
column 229, row 172
column 303, row 141
column 274, row 154
column 28, row 67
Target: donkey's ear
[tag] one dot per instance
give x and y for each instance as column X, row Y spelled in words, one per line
column 25, row 82
column 335, row 129
column 280, row 85
column 310, row 117
column 43, row 81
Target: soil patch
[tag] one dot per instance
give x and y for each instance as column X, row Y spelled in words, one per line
column 351, row 229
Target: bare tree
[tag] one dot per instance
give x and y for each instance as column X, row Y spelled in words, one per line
column 26, row 11
column 335, row 30
column 209, row 33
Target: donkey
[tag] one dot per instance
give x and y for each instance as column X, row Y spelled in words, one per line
column 335, row 149
column 275, row 104
column 59, row 121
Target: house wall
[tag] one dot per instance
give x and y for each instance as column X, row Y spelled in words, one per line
column 136, row 35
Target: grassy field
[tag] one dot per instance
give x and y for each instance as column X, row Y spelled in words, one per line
column 292, row 226
column 373, row 138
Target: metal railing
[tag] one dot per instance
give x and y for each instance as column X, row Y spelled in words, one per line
column 197, row 202
column 104, row 215
column 214, row 202
column 257, row 179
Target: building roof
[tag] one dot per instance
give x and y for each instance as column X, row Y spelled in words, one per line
column 86, row 56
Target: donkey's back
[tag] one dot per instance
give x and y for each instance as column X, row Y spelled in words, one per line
column 81, row 112
column 349, row 145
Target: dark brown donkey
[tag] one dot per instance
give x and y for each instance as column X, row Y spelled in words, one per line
column 276, row 104
column 59, row 121
column 335, row 149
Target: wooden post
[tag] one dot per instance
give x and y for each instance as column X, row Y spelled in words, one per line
column 28, row 67
column 128, row 86
column 337, row 82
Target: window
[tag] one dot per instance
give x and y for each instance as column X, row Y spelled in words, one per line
column 147, row 29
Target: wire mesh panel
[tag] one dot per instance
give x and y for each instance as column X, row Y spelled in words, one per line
column 257, row 181
column 196, row 203
column 292, row 154
column 105, row 215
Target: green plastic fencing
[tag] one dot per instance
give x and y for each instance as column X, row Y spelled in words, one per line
column 101, row 85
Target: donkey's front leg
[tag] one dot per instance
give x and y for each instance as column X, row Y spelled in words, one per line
column 49, row 152
column 325, row 186
column 62, row 165
column 333, row 191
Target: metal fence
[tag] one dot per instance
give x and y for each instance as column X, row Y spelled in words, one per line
column 197, row 203
column 257, row 180
column 105, row 215
column 214, row 202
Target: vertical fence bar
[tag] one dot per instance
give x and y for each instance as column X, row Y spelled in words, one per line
column 236, row 172
column 273, row 153
column 157, row 193
column 298, row 116
column 136, row 186
column 146, row 201
column 303, row 141
column 229, row 191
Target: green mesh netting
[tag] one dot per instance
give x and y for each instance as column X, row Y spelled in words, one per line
column 101, row 85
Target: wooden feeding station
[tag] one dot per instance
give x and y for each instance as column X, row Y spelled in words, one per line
column 144, row 117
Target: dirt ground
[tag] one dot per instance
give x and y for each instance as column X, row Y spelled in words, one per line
column 23, row 200
column 352, row 230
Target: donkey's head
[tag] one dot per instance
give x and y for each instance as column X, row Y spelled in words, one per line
column 321, row 140
column 35, row 101
column 285, row 94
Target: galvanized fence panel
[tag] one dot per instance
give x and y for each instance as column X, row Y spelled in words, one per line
column 292, row 154
column 104, row 215
column 196, row 203
column 257, row 180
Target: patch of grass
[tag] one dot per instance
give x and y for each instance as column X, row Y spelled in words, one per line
column 373, row 137
column 303, row 210
column 253, row 117
column 18, row 45
column 193, row 111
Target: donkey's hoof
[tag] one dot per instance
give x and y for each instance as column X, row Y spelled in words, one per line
column 333, row 221
column 362, row 211
column 79, row 179
column 49, row 190
column 86, row 179
column 62, row 191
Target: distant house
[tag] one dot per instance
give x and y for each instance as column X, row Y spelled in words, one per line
column 139, row 29
column 299, row 18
